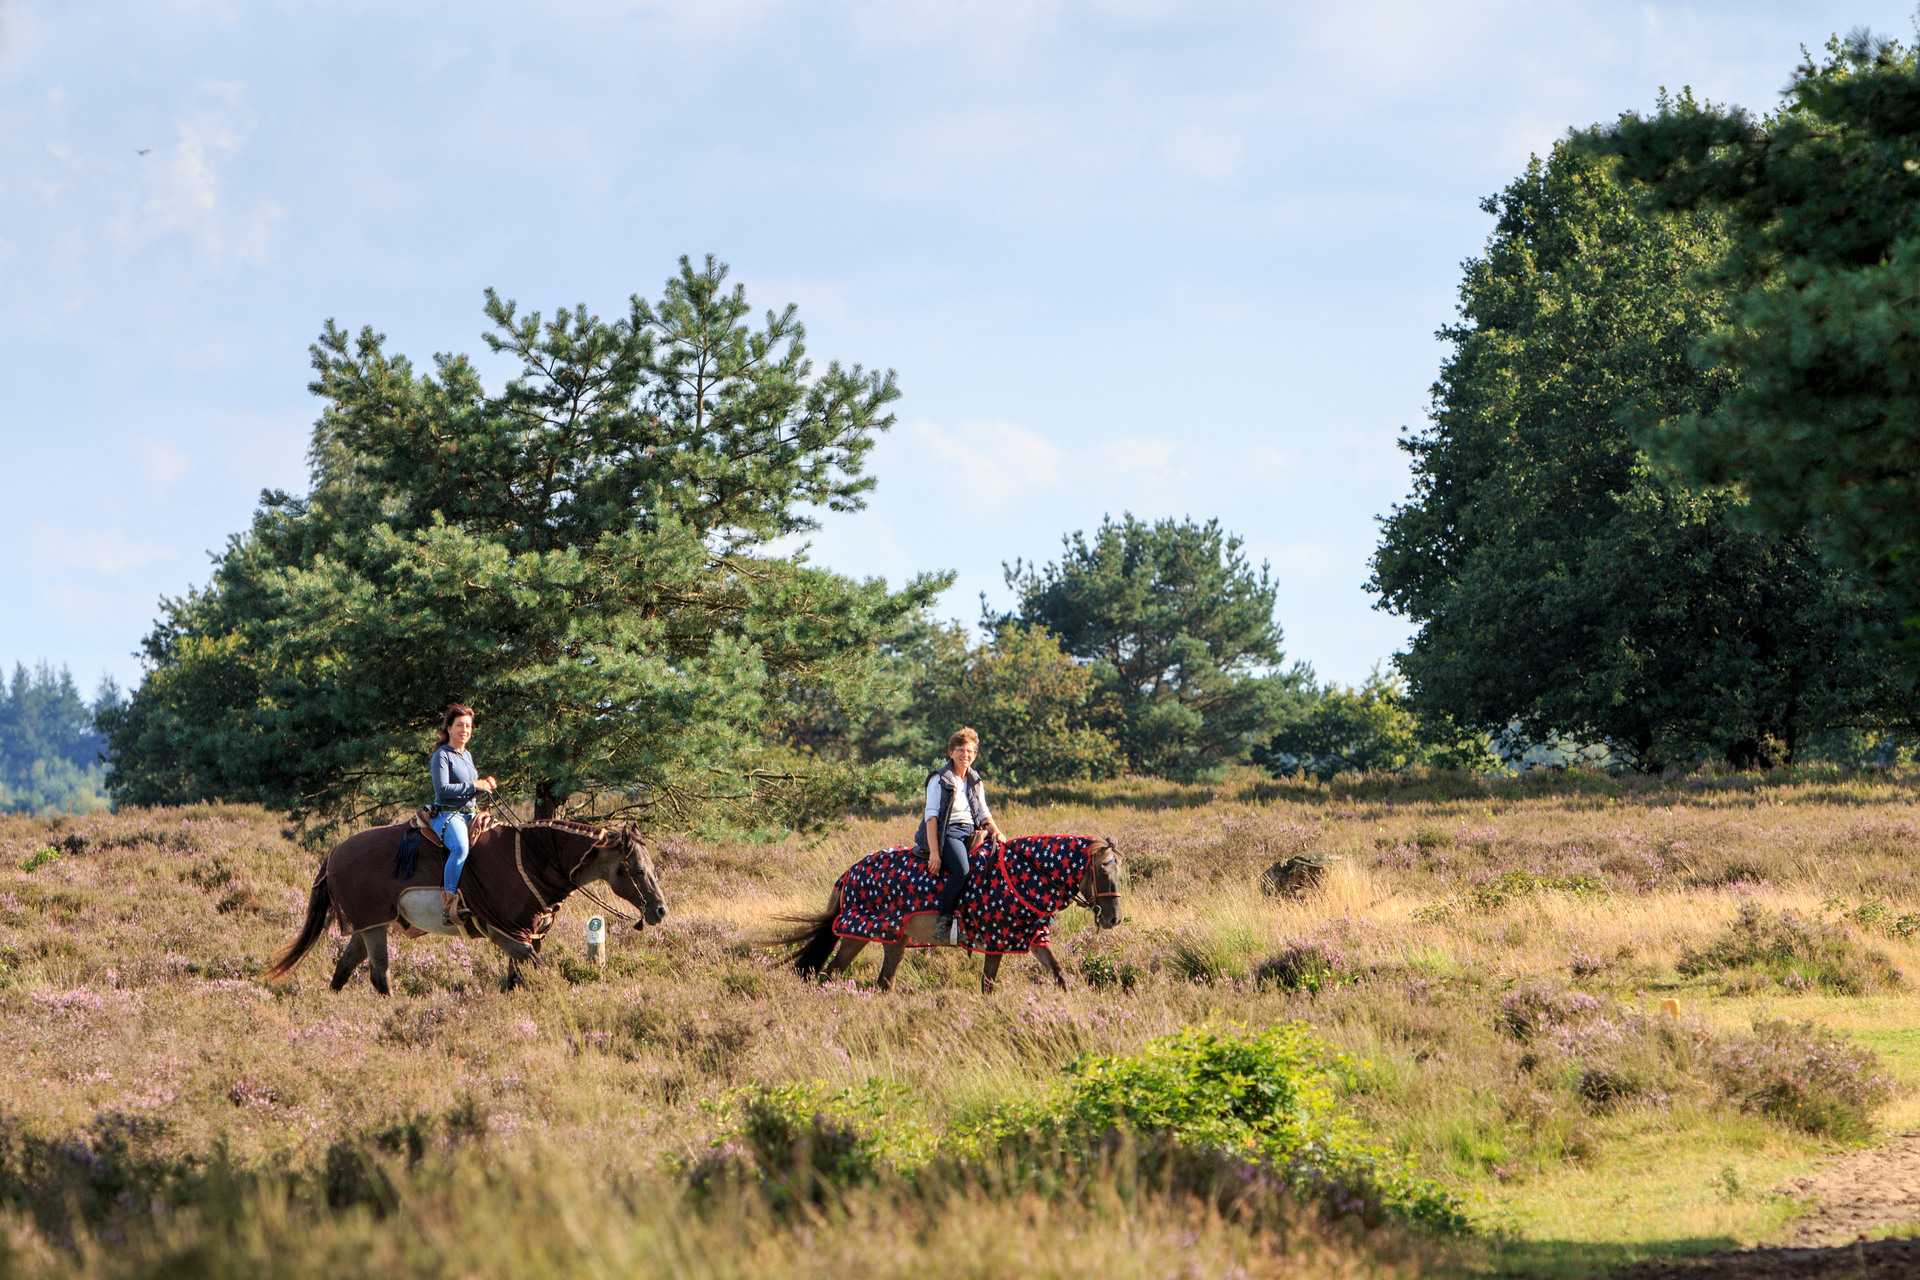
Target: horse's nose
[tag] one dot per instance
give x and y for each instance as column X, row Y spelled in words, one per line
column 656, row 914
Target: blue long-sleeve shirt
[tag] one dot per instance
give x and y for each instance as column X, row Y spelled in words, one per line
column 453, row 778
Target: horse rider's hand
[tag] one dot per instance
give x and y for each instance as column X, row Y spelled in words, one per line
column 933, row 863
column 486, row 784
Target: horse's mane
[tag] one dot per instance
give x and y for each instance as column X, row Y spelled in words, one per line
column 566, row 824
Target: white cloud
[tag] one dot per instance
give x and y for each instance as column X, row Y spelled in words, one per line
column 1204, row 153
column 188, row 189
column 164, row 462
column 997, row 462
column 100, row 550
column 1138, row 453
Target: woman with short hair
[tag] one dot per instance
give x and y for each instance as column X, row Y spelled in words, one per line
column 457, row 785
column 956, row 820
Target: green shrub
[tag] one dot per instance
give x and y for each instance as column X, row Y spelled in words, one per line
column 1305, row 965
column 1264, row 1099
column 1100, row 972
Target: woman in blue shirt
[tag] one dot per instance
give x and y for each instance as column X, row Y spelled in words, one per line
column 456, row 786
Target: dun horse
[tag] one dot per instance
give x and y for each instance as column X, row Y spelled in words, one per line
column 516, row 878
column 1012, row 896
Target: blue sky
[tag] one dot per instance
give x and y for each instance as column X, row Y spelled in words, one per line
column 1178, row 259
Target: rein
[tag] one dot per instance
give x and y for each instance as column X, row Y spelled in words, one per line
column 1080, row 898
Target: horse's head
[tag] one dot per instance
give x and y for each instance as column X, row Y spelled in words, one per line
column 1100, row 886
column 627, row 868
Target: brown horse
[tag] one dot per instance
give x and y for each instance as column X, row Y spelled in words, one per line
column 1086, row 870
column 516, row 877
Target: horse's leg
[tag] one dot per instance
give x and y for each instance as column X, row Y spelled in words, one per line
column 849, row 948
column 895, row 950
column 990, row 973
column 1045, row 956
column 377, row 958
column 518, row 953
column 350, row 957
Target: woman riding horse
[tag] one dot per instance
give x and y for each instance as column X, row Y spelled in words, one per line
column 956, row 821
column 456, row 786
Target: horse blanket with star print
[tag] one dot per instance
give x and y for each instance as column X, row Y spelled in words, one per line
column 1011, row 897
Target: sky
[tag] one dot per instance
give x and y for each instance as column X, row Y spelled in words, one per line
column 1181, row 259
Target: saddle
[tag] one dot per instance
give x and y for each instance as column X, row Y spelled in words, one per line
column 422, row 821
column 419, row 828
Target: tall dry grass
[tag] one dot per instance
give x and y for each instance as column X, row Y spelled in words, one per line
column 146, row 1052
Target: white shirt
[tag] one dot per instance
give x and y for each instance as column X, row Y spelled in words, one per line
column 962, row 810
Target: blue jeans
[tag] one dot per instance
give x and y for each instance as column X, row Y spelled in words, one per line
column 452, row 828
column 954, row 865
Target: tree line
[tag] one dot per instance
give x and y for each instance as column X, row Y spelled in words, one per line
column 50, row 747
column 1662, row 508
column 1664, row 502
column 584, row 555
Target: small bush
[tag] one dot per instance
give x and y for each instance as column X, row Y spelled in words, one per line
column 1305, row 965
column 1267, row 1097
column 1510, row 886
column 1100, row 972
column 1812, row 1080
column 1794, row 951
column 1530, row 1010
column 802, row 1144
column 1201, row 957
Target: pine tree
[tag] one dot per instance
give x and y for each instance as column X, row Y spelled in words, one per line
column 581, row 556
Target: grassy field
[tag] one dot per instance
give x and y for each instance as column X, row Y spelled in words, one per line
column 1492, row 956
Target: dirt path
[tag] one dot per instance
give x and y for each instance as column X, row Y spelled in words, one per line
column 1857, row 1194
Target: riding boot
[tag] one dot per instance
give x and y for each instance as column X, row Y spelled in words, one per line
column 446, row 908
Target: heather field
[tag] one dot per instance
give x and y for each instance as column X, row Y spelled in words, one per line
column 1473, row 996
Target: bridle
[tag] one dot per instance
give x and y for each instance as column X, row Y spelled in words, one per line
column 519, row 862
column 1081, row 896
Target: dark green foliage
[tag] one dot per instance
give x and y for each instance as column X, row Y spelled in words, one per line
column 1033, row 705
column 1564, row 588
column 1180, row 632
column 49, row 746
column 1794, row 951
column 1365, row 730
column 578, row 556
column 1822, row 336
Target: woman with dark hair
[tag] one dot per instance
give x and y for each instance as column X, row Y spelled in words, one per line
column 956, row 822
column 456, row 786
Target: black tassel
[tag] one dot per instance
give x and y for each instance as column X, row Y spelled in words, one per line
column 407, row 855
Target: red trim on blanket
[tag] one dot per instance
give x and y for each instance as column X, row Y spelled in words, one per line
column 1007, row 880
column 904, row 941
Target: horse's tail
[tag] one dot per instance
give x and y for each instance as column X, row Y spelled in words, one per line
column 319, row 907
column 812, row 942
